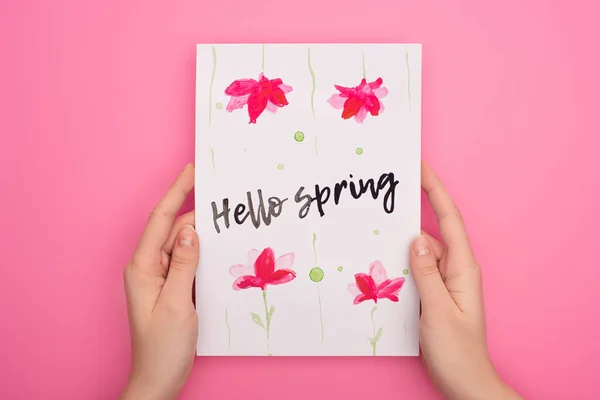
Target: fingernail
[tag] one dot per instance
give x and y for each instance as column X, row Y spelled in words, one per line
column 422, row 246
column 186, row 236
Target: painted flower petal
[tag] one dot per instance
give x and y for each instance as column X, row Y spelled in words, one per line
column 376, row 83
column 240, row 269
column 377, row 272
column 354, row 290
column 252, row 256
column 337, row 101
column 241, row 87
column 344, row 91
column 364, row 86
column 380, row 92
column 374, row 105
column 281, row 276
column 352, row 106
column 237, row 102
column 391, row 289
column 277, row 97
column 361, row 115
column 360, row 298
column 257, row 102
column 271, row 107
column 392, row 286
column 391, row 297
column 247, row 281
column 366, row 285
column 285, row 88
column 381, row 107
column 265, row 265
column 286, row 261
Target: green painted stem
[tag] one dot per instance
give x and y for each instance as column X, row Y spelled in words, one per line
column 321, row 315
column 312, row 77
column 315, row 247
column 228, row 328
column 267, row 318
column 312, row 94
column 374, row 343
column 363, row 65
column 212, row 79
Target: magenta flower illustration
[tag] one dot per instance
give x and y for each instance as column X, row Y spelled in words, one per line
column 258, row 95
column 375, row 286
column 360, row 100
column 261, row 270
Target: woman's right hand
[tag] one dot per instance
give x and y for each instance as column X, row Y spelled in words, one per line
column 452, row 329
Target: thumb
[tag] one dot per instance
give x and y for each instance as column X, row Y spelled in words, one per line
column 184, row 262
column 425, row 270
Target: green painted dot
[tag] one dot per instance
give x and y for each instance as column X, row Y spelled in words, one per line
column 376, row 232
column 299, row 136
column 405, row 272
column 359, row 150
column 316, row 274
column 219, row 105
column 280, row 166
column 340, row 268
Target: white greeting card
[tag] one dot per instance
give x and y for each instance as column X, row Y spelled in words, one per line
column 307, row 198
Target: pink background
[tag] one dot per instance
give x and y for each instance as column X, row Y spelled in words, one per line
column 97, row 117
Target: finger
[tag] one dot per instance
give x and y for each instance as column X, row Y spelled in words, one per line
column 452, row 227
column 184, row 262
column 188, row 218
column 424, row 267
column 161, row 219
column 438, row 248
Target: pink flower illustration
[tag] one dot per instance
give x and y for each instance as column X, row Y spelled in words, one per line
column 359, row 100
column 374, row 286
column 261, row 270
column 258, row 95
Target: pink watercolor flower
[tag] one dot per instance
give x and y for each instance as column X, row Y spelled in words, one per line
column 376, row 285
column 263, row 269
column 359, row 100
column 258, row 95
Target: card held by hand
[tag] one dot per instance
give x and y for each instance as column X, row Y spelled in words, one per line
column 307, row 198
